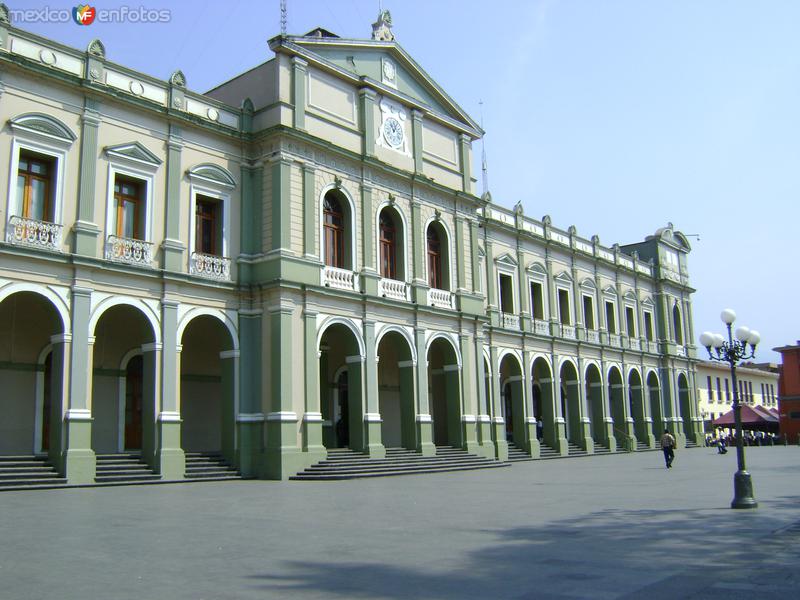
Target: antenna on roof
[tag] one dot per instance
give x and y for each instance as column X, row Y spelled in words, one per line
column 484, row 165
column 283, row 17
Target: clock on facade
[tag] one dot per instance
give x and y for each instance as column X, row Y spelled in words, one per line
column 393, row 132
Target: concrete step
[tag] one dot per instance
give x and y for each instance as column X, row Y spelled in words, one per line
column 29, row 471
column 393, row 472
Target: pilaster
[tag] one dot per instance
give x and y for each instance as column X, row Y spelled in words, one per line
column 86, row 230
column 369, row 274
column 465, row 145
column 416, row 130
column 423, row 416
column 498, row 424
column 310, row 219
column 250, row 418
column 281, row 204
column 299, row 75
column 173, row 247
column 170, row 458
column 372, row 418
column 367, row 99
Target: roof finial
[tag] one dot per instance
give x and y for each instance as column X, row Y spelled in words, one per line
column 283, row 17
column 382, row 28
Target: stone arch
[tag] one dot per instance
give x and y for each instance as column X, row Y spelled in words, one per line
column 685, row 405
column 655, row 394
column 32, row 329
column 220, row 315
column 570, row 398
column 444, row 385
column 596, row 402
column 449, row 339
column 617, row 404
column 386, row 329
column 111, row 301
column 328, row 322
column 511, row 370
column 395, row 360
column 637, row 406
column 59, row 303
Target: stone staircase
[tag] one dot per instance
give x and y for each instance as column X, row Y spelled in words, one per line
column 546, row 452
column 343, row 463
column 575, row 450
column 643, row 447
column 123, row 469
column 28, row 473
column 517, row 454
column 598, row 449
column 209, row 466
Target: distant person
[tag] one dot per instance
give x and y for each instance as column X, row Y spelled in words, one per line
column 668, row 447
column 721, row 449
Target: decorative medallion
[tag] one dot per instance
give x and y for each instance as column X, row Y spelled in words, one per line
column 213, row 114
column 94, row 74
column 47, row 57
column 137, row 89
column 176, row 102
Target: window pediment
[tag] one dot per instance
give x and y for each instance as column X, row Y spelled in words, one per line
column 563, row 277
column 610, row 291
column 212, row 174
column 42, row 125
column 135, row 153
column 506, row 261
column 537, row 269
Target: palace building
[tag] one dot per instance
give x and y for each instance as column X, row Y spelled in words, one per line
column 296, row 261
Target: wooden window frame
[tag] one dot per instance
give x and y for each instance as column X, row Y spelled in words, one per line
column 119, row 205
column 333, row 232
column 199, row 219
column 434, row 255
column 29, row 176
column 387, row 243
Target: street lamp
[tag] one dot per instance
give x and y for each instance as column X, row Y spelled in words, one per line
column 732, row 352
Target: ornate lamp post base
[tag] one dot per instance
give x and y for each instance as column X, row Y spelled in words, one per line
column 743, row 491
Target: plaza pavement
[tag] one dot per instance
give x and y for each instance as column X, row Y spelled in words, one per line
column 597, row 527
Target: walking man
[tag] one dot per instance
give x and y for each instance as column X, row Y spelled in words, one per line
column 668, row 447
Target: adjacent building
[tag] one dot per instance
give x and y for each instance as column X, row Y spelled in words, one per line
column 789, row 392
column 298, row 260
column 757, row 385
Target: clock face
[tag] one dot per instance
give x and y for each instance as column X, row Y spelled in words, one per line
column 388, row 70
column 393, row 132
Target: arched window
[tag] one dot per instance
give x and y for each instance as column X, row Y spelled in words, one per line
column 333, row 226
column 388, row 246
column 676, row 322
column 435, row 278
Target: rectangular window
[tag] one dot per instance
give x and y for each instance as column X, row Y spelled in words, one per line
column 772, row 391
column 750, row 391
column 727, row 392
column 537, row 300
column 741, row 391
column 563, row 307
column 611, row 321
column 588, row 312
column 710, row 388
column 763, row 397
column 648, row 326
column 35, row 186
column 630, row 321
column 719, row 391
column 506, row 294
column 208, row 233
column 129, row 205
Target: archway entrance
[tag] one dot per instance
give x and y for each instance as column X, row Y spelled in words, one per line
column 543, row 392
column 341, row 375
column 207, row 388
column 595, row 402
column 396, row 392
column 30, row 377
column 656, row 411
column 513, row 405
column 616, row 401
column 685, row 404
column 571, row 402
column 444, row 393
column 637, row 407
column 124, row 383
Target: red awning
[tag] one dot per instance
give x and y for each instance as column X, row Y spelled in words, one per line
column 751, row 419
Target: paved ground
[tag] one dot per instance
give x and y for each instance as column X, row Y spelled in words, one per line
column 596, row 527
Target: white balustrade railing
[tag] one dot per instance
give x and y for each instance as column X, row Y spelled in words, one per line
column 635, row 345
column 541, row 327
column 592, row 336
column 37, row 234
column 440, row 298
column 614, row 340
column 132, row 252
column 210, row 266
column 391, row 288
column 340, row 279
column 568, row 332
column 510, row 321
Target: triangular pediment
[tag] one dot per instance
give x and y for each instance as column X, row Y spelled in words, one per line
column 133, row 152
column 564, row 277
column 629, row 295
column 647, row 302
column 506, row 260
column 588, row 284
column 385, row 64
column 610, row 291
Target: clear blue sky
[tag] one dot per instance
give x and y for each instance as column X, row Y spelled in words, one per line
column 613, row 116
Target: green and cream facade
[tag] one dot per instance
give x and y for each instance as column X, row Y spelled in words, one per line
column 214, row 270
